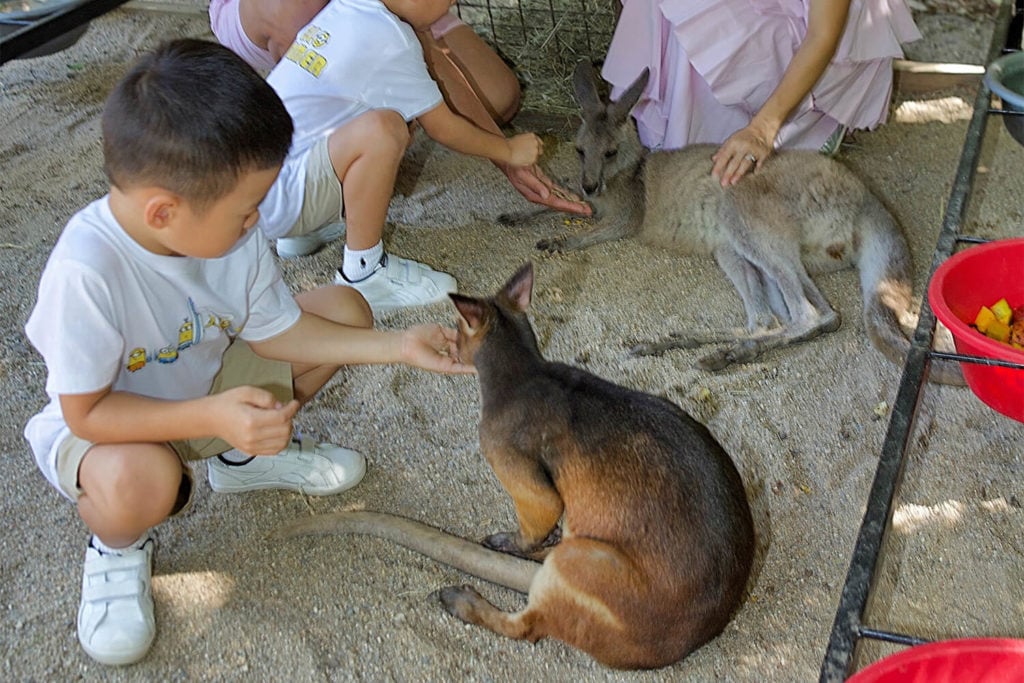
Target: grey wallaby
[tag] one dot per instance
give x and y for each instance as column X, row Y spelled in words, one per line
column 800, row 213
column 656, row 539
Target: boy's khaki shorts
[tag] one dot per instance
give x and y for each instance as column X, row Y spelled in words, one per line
column 241, row 367
column 323, row 201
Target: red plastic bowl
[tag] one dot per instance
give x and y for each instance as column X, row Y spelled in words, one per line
column 976, row 277
column 973, row 660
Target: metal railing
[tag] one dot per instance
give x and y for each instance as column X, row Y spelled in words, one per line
column 851, row 623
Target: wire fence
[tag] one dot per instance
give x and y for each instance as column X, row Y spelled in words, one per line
column 543, row 40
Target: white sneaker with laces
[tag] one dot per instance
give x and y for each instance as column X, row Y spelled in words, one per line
column 398, row 282
column 319, row 470
column 115, row 618
column 304, row 245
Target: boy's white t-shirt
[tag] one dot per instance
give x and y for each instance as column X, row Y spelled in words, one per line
column 354, row 56
column 110, row 313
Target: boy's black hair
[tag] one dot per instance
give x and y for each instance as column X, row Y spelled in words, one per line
column 192, row 117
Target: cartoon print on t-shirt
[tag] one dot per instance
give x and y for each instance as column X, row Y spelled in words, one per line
column 304, row 50
column 190, row 333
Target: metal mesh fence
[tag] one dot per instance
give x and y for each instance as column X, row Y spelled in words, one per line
column 543, row 40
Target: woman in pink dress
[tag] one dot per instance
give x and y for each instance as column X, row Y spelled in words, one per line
column 757, row 75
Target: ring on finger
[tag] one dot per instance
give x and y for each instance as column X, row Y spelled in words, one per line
column 750, row 157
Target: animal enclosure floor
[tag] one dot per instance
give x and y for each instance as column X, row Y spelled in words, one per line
column 804, row 424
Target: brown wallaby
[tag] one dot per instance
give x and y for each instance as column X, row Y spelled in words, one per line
column 657, row 539
column 801, row 212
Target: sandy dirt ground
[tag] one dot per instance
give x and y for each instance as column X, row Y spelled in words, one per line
column 804, row 425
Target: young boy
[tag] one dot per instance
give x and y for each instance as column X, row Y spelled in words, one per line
column 353, row 80
column 169, row 335
column 475, row 81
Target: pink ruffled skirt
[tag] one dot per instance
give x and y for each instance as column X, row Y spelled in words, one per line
column 714, row 63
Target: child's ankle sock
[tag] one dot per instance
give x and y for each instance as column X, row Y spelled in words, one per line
column 104, row 549
column 359, row 265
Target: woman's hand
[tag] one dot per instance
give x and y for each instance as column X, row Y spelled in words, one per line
column 744, row 151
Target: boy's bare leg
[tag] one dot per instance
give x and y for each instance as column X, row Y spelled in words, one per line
column 342, row 305
column 365, row 154
column 127, row 489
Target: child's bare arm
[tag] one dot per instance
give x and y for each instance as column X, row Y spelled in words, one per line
column 317, row 341
column 248, row 418
column 457, row 133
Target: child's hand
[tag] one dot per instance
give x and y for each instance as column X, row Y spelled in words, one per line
column 432, row 347
column 534, row 185
column 524, row 149
column 254, row 421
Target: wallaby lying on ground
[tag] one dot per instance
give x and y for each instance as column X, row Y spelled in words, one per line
column 657, row 537
column 801, row 212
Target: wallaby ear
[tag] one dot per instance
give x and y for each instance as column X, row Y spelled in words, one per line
column 619, row 110
column 584, row 81
column 519, row 288
column 471, row 311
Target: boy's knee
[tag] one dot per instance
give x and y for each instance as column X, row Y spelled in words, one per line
column 384, row 130
column 123, row 481
column 338, row 304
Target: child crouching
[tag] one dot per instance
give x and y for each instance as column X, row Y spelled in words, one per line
column 169, row 335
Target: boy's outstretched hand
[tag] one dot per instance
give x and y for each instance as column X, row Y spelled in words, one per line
column 432, row 347
column 253, row 421
column 524, row 149
column 535, row 186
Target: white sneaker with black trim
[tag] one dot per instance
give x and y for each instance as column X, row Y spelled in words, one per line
column 304, row 245
column 316, row 469
column 399, row 282
column 115, row 618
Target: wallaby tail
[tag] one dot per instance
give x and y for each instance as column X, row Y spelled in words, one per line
column 467, row 556
column 886, row 282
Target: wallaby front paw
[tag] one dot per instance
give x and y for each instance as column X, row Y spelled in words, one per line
column 742, row 351
column 658, row 348
column 551, row 246
column 514, row 218
column 713, row 362
column 638, row 349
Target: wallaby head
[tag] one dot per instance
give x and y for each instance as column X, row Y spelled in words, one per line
column 500, row 317
column 606, row 140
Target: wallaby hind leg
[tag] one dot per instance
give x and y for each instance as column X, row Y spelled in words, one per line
column 749, row 284
column 747, row 350
column 577, row 597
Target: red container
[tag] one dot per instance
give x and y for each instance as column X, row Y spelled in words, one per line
column 969, row 660
column 976, row 277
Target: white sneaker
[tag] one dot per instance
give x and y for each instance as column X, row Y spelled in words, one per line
column 399, row 282
column 319, row 470
column 304, row 245
column 115, row 618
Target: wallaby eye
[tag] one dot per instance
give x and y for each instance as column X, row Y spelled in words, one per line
column 610, row 153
